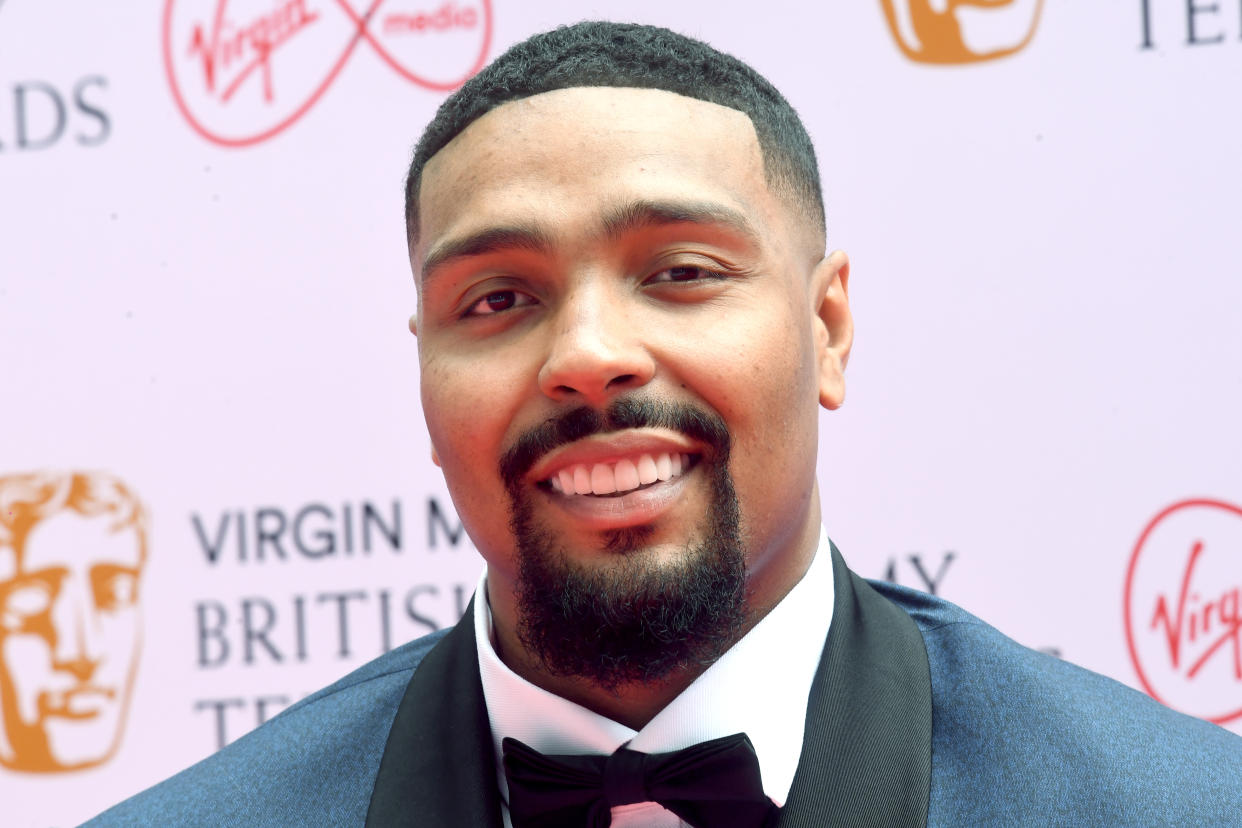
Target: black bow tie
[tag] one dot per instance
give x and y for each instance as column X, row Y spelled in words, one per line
column 710, row 785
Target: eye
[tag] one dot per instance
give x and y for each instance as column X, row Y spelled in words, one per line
column 498, row 302
column 684, row 273
column 25, row 605
column 114, row 587
column 28, row 600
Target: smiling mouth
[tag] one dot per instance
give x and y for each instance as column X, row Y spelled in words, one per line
column 619, row 477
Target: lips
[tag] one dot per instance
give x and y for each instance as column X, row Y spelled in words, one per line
column 82, row 702
column 617, row 479
column 620, row 476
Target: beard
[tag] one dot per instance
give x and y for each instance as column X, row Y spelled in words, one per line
column 635, row 619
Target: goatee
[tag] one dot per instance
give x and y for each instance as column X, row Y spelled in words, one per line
column 635, row 619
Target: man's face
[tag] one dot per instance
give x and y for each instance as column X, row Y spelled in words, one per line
column 69, row 637
column 620, row 246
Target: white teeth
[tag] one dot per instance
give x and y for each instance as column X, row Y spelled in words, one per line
column 623, row 476
column 647, row 470
column 582, row 481
column 626, row 475
column 603, row 479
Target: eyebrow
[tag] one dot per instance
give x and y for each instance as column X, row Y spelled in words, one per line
column 628, row 218
column 646, row 214
column 530, row 237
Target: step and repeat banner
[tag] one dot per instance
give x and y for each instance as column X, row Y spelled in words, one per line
column 216, row 492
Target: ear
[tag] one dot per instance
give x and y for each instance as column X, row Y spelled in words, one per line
column 435, row 458
column 834, row 326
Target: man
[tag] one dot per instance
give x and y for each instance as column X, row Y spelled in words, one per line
column 72, row 548
column 626, row 325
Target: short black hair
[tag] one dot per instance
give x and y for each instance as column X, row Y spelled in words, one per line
column 601, row 53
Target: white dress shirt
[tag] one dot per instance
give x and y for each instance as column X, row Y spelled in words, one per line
column 759, row 686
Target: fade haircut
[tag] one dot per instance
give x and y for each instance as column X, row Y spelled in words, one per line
column 600, row 53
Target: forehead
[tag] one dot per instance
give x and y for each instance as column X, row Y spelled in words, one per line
column 564, row 156
column 69, row 539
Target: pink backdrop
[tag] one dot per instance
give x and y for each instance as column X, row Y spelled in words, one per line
column 204, row 293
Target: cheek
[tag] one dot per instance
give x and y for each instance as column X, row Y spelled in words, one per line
column 778, row 428
column 463, row 435
column 464, row 386
column 764, row 385
column 469, row 410
column 453, row 397
column 762, row 378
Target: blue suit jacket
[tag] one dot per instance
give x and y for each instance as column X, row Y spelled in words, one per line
column 919, row 714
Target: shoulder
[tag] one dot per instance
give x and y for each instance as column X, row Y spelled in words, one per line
column 1018, row 732
column 315, row 763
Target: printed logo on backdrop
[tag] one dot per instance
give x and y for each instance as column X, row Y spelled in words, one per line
column 39, row 114
column 242, row 71
column 1183, row 609
column 72, row 550
column 961, row 31
column 324, row 617
column 1187, row 23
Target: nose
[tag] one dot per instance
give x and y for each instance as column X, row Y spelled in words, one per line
column 77, row 640
column 598, row 348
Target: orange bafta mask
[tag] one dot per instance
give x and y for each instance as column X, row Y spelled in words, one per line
column 72, row 549
column 961, row 31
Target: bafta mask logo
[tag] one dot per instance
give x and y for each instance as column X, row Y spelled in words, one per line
column 961, row 31
column 72, row 550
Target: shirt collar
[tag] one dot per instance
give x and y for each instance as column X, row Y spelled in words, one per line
column 759, row 686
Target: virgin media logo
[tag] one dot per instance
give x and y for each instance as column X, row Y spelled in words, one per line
column 1183, row 608
column 242, row 71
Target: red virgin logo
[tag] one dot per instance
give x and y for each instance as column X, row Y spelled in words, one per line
column 242, row 71
column 1183, row 609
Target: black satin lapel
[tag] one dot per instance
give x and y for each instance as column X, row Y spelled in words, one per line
column 866, row 755
column 438, row 767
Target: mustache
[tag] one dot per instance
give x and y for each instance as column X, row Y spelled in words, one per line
column 699, row 424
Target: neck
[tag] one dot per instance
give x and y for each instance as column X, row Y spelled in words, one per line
column 633, row 704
